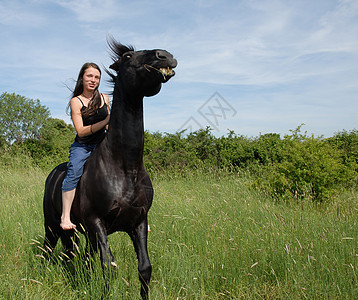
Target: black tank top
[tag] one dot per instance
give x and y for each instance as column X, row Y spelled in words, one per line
column 99, row 135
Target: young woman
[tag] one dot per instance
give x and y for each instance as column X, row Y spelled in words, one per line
column 90, row 116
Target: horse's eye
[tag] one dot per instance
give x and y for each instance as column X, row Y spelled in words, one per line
column 127, row 55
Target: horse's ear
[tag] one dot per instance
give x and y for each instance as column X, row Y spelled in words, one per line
column 115, row 65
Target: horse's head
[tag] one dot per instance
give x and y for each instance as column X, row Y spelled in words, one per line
column 141, row 72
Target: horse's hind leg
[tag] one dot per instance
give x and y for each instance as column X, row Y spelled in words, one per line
column 69, row 238
column 51, row 238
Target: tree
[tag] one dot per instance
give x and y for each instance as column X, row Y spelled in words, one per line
column 21, row 118
column 53, row 146
column 57, row 133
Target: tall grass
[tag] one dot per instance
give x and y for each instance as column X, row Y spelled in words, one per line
column 211, row 238
column 229, row 242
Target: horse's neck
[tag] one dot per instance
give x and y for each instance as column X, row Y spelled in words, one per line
column 125, row 139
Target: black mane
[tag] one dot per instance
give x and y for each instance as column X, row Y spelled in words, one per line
column 116, row 51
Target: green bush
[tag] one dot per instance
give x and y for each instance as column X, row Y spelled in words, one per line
column 235, row 151
column 296, row 167
column 307, row 168
column 15, row 157
column 348, row 143
column 53, row 146
column 169, row 152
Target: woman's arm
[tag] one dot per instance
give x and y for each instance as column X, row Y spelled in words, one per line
column 78, row 123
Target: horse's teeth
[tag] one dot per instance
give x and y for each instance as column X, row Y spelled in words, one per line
column 166, row 71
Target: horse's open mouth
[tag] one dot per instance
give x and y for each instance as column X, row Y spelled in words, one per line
column 166, row 72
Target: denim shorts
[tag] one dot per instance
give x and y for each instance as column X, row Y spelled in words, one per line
column 78, row 156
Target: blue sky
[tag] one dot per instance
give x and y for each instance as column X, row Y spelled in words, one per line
column 252, row 66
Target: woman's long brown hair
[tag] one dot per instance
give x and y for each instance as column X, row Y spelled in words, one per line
column 95, row 103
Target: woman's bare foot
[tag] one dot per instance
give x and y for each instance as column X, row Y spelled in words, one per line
column 67, row 225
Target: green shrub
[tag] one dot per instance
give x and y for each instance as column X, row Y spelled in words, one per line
column 174, row 152
column 297, row 167
column 348, row 143
column 308, row 168
column 53, row 146
column 15, row 157
column 235, row 151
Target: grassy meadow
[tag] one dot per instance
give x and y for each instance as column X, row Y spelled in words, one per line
column 212, row 237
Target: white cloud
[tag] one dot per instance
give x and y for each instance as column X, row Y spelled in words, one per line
column 18, row 14
column 109, row 11
column 269, row 55
column 90, row 11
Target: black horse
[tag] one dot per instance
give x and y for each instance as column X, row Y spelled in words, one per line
column 115, row 192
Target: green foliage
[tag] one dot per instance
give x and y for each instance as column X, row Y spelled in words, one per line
column 298, row 167
column 3, row 142
column 204, row 147
column 308, row 168
column 168, row 152
column 199, row 149
column 241, row 152
column 26, row 129
column 348, row 143
column 53, row 146
column 21, row 118
column 15, row 157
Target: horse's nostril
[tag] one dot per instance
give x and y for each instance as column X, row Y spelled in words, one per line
column 161, row 54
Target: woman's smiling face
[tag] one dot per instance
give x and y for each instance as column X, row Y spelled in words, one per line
column 91, row 79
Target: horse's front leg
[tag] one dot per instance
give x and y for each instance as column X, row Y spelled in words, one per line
column 139, row 238
column 98, row 239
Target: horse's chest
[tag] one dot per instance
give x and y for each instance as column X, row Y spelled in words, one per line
column 119, row 193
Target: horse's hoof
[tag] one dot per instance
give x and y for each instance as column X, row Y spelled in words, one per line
column 113, row 264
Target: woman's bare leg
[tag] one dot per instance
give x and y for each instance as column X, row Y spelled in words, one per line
column 67, row 199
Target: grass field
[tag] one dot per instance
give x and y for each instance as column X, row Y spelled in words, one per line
column 211, row 238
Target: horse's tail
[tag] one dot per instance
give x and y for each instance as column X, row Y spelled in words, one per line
column 52, row 204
